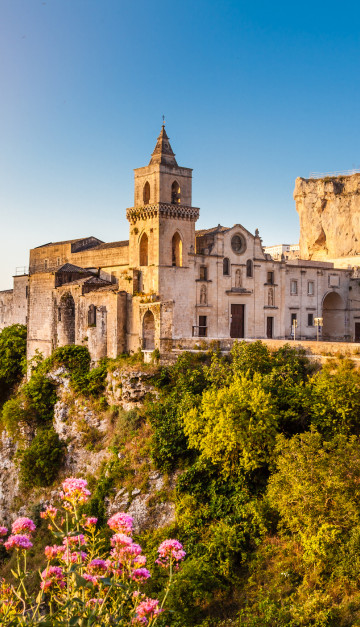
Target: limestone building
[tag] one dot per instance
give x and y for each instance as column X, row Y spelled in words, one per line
column 170, row 286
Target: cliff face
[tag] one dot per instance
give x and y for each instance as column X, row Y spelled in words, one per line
column 329, row 212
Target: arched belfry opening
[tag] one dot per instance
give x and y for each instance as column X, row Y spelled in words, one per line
column 176, row 250
column 144, row 250
column 333, row 314
column 146, row 193
column 175, row 193
column 148, row 331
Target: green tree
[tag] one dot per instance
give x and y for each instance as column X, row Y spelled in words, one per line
column 41, row 461
column 234, row 426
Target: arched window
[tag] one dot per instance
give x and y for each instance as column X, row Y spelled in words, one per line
column 144, row 249
column 148, row 333
column 176, row 250
column 226, row 266
column 175, row 192
column 249, row 268
column 92, row 316
column 146, row 193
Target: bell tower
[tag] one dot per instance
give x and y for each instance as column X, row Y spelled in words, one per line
column 162, row 221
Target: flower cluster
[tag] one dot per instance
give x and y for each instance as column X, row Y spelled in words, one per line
column 121, row 523
column 18, row 542
column 146, row 610
column 50, row 512
column 52, row 576
column 3, row 532
column 170, row 551
column 75, row 491
column 23, row 525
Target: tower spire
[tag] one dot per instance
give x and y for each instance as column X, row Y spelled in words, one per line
column 163, row 153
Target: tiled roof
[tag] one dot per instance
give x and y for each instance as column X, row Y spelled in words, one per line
column 69, row 267
column 215, row 229
column 112, row 245
column 68, row 241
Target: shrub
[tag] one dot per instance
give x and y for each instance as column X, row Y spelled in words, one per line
column 40, row 462
column 12, row 357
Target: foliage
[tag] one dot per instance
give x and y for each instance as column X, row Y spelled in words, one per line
column 12, row 358
column 40, row 462
column 235, row 426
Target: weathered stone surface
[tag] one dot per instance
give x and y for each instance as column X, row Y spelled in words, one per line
column 128, row 388
column 329, row 212
column 9, row 482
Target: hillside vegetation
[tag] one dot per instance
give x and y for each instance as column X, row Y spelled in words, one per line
column 258, row 450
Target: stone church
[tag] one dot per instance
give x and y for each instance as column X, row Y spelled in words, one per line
column 170, row 286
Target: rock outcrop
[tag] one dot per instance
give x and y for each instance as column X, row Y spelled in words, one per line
column 329, row 212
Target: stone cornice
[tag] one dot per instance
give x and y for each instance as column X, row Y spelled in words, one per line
column 165, row 210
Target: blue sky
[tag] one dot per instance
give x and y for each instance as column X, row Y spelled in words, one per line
column 254, row 95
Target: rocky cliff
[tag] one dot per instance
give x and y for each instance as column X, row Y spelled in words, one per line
column 329, row 212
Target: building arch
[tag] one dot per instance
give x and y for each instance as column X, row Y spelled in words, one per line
column 333, row 314
column 226, row 266
column 175, row 193
column 148, row 331
column 144, row 250
column 66, row 320
column 146, row 193
column 177, row 249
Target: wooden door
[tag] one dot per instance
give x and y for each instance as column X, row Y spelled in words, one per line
column 237, row 321
column 357, row 331
column 269, row 326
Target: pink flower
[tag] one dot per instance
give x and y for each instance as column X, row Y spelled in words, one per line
column 73, row 558
column 50, row 512
column 74, row 540
column 54, row 551
column 148, row 609
column 53, row 575
column 120, row 540
column 3, row 531
column 97, row 566
column 121, row 523
column 23, row 525
column 140, row 574
column 75, row 490
column 90, row 522
column 170, row 550
column 18, row 542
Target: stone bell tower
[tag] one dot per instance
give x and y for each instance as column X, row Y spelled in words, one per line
column 162, row 221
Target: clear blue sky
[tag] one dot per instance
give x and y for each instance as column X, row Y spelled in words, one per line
column 254, row 95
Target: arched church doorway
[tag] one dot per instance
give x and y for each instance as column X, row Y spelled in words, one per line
column 333, row 317
column 66, row 320
column 148, row 329
column 144, row 250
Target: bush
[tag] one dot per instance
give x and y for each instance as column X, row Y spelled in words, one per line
column 12, row 358
column 40, row 462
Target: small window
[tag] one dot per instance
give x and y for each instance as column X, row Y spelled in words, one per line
column 270, row 278
column 226, row 266
column 58, row 261
column 293, row 319
column 202, row 326
column 144, row 250
column 203, row 273
column 311, row 289
column 46, row 264
column 146, row 193
column 249, row 268
column 293, row 287
column 92, row 316
column 59, row 314
column 176, row 246
column 310, row 320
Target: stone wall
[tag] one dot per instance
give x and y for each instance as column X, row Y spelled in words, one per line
column 329, row 212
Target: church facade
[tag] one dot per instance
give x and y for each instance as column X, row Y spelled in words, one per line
column 169, row 282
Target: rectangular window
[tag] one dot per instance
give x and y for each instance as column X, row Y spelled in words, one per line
column 311, row 288
column 310, row 320
column 203, row 273
column 293, row 319
column 46, row 264
column 202, row 326
column 270, row 278
column 293, row 287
